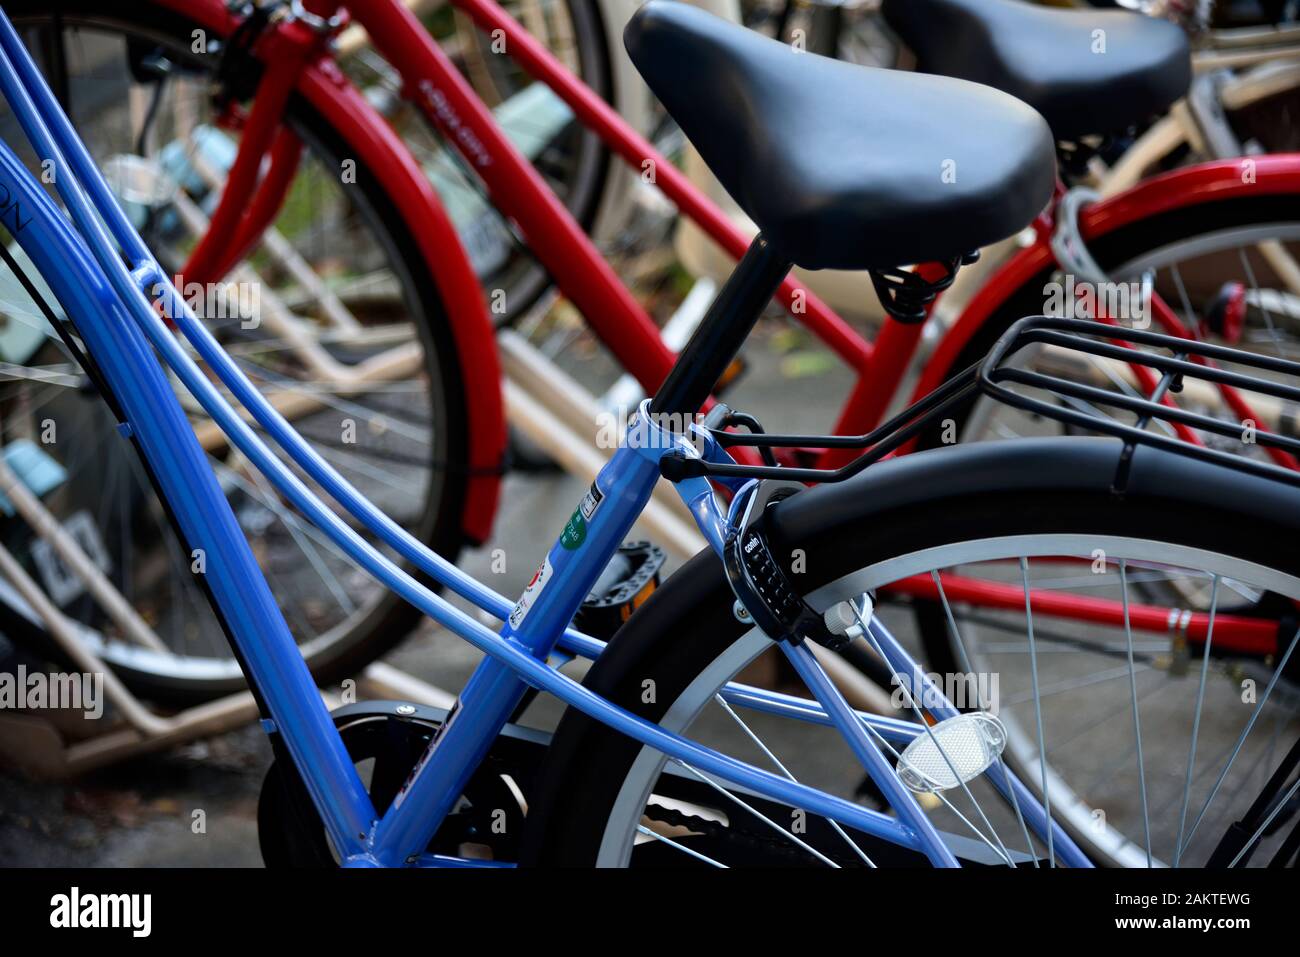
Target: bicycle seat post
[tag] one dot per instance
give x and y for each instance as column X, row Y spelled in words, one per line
column 722, row 331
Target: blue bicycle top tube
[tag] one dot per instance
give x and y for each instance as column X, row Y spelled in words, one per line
column 310, row 461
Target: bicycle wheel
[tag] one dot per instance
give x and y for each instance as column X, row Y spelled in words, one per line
column 371, row 379
column 972, row 513
column 1226, row 269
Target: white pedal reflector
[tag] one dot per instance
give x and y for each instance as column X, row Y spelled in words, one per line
column 972, row 742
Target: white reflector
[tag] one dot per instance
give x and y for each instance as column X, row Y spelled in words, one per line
column 971, row 743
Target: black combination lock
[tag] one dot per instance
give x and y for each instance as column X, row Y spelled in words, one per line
column 759, row 581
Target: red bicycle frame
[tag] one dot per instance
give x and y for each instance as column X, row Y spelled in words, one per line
column 299, row 61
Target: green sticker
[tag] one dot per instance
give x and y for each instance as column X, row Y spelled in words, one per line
column 575, row 531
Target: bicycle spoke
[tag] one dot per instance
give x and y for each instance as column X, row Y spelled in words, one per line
column 1072, row 684
column 328, row 398
column 1062, row 745
column 1000, row 852
column 1190, row 315
column 750, row 809
column 642, row 829
column 179, row 558
column 1286, row 798
column 1038, row 710
column 776, row 762
column 1001, row 848
column 1137, row 723
column 1259, row 707
column 298, row 532
column 1259, row 299
column 1260, row 771
column 851, row 728
column 966, row 666
column 1196, row 723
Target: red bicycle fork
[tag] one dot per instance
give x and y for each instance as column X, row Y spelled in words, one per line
column 238, row 221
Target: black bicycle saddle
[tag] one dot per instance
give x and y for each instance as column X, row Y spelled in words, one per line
column 1086, row 71
column 844, row 166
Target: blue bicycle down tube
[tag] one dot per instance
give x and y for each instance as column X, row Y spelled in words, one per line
column 562, row 581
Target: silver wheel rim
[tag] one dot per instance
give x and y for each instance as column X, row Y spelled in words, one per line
column 1068, row 809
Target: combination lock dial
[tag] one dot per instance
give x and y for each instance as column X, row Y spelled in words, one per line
column 761, row 583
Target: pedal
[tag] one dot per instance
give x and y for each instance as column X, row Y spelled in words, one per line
column 628, row 580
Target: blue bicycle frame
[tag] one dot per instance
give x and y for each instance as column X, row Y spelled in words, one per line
column 99, row 269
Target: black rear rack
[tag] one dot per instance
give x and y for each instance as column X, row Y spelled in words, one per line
column 1186, row 359
column 1175, row 361
column 877, row 444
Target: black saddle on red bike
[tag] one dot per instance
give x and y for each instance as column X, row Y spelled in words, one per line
column 844, row 166
column 1086, row 71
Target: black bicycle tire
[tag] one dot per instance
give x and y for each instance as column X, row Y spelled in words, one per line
column 690, row 621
